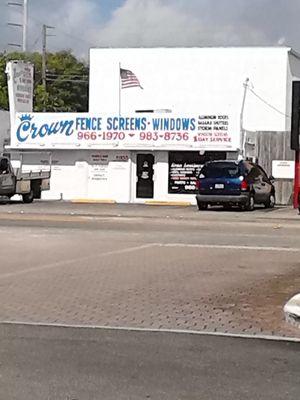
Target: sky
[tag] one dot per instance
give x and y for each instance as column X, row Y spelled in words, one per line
column 81, row 24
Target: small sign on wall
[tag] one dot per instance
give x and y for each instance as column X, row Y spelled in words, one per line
column 283, row 169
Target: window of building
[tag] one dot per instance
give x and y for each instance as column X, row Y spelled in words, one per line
column 184, row 168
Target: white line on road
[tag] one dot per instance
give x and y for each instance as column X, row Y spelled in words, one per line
column 231, row 247
column 63, row 263
column 155, row 330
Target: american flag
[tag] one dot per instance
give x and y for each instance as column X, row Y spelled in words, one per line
column 129, row 79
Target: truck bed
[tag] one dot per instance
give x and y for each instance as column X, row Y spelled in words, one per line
column 30, row 175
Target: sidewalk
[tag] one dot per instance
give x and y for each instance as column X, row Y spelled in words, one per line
column 278, row 214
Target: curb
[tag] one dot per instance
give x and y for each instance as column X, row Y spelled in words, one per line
column 168, row 203
column 93, row 201
column 292, row 310
column 147, row 202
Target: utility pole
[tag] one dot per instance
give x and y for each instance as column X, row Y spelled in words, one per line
column 242, row 131
column 44, row 56
column 24, row 25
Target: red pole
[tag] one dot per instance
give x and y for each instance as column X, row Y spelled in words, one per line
column 297, row 180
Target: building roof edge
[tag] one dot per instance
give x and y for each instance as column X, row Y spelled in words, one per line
column 294, row 53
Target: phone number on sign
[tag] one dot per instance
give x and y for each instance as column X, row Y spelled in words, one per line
column 144, row 136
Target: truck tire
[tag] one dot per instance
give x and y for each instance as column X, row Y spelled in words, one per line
column 28, row 197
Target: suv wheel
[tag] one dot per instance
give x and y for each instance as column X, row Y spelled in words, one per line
column 202, row 206
column 270, row 203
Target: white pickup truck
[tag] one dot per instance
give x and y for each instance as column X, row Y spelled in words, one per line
column 28, row 184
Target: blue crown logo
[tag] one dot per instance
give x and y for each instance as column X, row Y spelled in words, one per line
column 26, row 117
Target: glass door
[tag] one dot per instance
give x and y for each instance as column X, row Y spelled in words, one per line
column 144, row 174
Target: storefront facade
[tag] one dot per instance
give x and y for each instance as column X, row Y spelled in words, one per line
column 124, row 159
column 147, row 142
column 123, row 176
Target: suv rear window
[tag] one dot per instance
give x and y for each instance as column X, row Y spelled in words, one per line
column 221, row 170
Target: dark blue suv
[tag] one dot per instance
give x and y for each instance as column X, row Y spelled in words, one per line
column 234, row 183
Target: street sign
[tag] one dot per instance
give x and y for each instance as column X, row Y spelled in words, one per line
column 20, row 82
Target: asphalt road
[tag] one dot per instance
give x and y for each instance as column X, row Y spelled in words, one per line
column 222, row 272
column 163, row 270
column 89, row 364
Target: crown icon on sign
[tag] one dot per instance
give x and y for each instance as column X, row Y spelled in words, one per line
column 26, row 117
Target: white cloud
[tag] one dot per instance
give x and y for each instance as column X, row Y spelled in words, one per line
column 81, row 24
column 149, row 23
column 201, row 23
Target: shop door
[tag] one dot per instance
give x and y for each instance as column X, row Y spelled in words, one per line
column 144, row 173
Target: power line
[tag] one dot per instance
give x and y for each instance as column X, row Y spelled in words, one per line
column 35, row 42
column 40, row 23
column 77, row 38
column 67, row 80
column 66, row 76
column 268, row 104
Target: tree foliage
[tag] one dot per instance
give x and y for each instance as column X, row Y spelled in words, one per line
column 66, row 85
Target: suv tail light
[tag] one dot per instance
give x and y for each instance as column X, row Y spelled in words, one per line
column 244, row 185
column 198, row 183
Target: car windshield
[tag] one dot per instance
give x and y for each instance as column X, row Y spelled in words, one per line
column 220, row 170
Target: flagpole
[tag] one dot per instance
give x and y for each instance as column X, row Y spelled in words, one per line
column 119, row 88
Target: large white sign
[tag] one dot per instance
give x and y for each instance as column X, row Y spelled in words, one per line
column 202, row 131
column 20, row 86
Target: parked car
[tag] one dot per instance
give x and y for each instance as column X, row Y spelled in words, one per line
column 234, row 183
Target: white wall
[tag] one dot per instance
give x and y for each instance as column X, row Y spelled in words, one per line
column 100, row 175
column 86, row 174
column 194, row 80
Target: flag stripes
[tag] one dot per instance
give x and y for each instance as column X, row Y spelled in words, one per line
column 129, row 79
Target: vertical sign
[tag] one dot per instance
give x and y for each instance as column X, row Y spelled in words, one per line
column 20, row 87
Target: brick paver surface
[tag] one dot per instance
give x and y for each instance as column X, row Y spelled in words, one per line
column 85, row 278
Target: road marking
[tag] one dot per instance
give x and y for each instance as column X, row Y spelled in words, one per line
column 63, row 263
column 42, row 217
column 153, row 330
column 232, row 247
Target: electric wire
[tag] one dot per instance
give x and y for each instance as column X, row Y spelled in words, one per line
column 37, row 21
column 267, row 103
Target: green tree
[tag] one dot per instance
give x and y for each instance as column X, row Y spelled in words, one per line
column 66, row 84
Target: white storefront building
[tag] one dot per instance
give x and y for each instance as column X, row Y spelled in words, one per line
column 146, row 143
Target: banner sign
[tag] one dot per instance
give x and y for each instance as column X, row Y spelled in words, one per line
column 20, row 86
column 184, row 169
column 183, row 177
column 60, row 130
